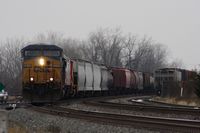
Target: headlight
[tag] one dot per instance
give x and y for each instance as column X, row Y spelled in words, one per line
column 51, row 79
column 31, row 79
column 41, row 61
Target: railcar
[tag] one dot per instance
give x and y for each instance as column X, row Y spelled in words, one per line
column 86, row 75
column 140, row 82
column 124, row 80
column 148, row 83
column 131, row 81
column 86, row 78
column 106, row 79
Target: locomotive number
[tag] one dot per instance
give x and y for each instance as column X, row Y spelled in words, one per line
column 39, row 69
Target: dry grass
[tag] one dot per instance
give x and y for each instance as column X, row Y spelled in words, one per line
column 14, row 127
column 180, row 101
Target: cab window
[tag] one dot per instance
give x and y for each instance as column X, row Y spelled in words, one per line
column 52, row 53
column 33, row 53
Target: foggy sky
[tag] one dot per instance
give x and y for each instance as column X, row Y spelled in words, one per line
column 175, row 23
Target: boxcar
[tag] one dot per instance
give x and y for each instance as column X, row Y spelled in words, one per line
column 121, row 78
column 125, row 79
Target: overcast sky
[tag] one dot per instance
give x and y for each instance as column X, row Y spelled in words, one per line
column 175, row 23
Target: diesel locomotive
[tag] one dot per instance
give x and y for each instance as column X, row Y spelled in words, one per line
column 48, row 75
column 42, row 72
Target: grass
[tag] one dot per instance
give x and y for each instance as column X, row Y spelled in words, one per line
column 180, row 101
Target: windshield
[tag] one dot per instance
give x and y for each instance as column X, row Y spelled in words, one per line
column 33, row 53
column 52, row 53
column 49, row 53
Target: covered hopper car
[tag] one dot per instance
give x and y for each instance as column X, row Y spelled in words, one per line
column 84, row 77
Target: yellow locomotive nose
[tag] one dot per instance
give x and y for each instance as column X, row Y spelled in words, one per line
column 41, row 61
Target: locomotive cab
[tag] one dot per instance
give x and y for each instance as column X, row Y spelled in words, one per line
column 42, row 72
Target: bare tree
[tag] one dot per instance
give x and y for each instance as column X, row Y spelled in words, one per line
column 112, row 48
column 70, row 46
column 137, row 52
column 144, row 55
column 49, row 37
column 10, row 73
column 105, row 46
column 129, row 49
column 155, row 57
column 177, row 63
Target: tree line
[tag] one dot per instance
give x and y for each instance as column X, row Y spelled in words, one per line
column 110, row 47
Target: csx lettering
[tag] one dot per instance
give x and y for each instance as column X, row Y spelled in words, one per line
column 41, row 70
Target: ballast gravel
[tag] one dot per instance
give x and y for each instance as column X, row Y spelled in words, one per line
column 35, row 122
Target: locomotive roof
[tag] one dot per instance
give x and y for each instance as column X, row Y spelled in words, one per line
column 42, row 46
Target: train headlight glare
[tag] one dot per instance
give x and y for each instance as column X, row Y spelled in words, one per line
column 31, row 79
column 51, row 79
column 41, row 61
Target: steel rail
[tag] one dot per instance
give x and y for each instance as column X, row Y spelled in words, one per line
column 128, row 120
column 141, row 107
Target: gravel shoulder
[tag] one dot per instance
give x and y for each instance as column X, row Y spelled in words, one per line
column 31, row 121
column 24, row 120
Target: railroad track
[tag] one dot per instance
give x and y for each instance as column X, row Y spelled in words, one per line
column 144, row 107
column 23, row 104
column 126, row 120
column 98, row 98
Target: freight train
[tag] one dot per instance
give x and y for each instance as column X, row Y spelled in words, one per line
column 48, row 75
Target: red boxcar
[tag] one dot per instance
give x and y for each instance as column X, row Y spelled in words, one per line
column 187, row 75
column 123, row 78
